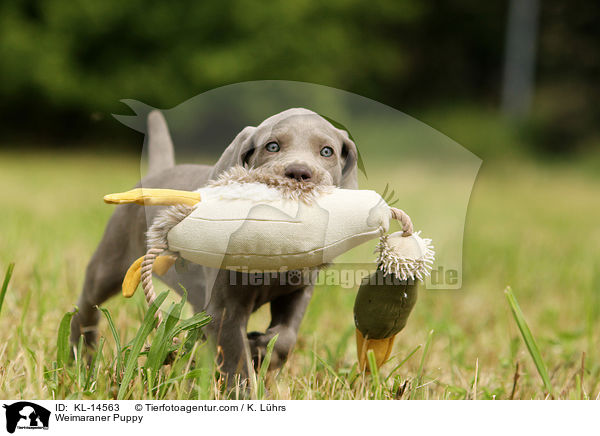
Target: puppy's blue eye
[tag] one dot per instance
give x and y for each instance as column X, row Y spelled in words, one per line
column 273, row 147
column 326, row 151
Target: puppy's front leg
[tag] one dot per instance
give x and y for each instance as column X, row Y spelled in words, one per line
column 230, row 308
column 287, row 312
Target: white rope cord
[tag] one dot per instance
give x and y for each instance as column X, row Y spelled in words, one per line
column 400, row 215
column 147, row 285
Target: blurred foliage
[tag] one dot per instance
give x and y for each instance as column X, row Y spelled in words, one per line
column 66, row 64
column 567, row 114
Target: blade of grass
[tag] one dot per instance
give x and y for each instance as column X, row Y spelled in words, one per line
column 116, row 337
column 81, row 367
column 529, row 339
column 162, row 342
column 424, row 356
column 92, row 373
column 373, row 367
column 63, row 349
column 143, row 332
column 422, row 364
column 194, row 373
column 475, row 379
column 581, row 376
column 401, row 364
column 342, row 344
column 162, row 345
column 196, row 321
column 264, row 367
column 330, row 369
column 7, row 277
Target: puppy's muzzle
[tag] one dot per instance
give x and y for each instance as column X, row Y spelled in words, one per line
column 299, row 172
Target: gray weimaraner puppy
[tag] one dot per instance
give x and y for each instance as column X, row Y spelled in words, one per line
column 296, row 143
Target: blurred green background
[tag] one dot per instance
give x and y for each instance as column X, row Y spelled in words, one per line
column 65, row 65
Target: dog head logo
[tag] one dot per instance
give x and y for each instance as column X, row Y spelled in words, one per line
column 26, row 415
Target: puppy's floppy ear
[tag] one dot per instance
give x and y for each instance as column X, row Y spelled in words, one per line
column 236, row 153
column 349, row 162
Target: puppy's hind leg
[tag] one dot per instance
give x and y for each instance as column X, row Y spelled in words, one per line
column 100, row 284
column 104, row 275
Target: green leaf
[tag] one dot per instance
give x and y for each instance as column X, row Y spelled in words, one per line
column 397, row 367
column 329, row 368
column 7, row 277
column 63, row 348
column 138, row 342
column 91, row 376
column 163, row 340
column 116, row 337
column 372, row 360
column 425, row 352
column 419, row 377
column 529, row 339
column 196, row 321
column 264, row 367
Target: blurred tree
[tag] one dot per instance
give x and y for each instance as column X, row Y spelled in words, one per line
column 566, row 108
column 69, row 60
column 65, row 65
column 519, row 64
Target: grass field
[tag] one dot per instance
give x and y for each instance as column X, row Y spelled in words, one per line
column 531, row 226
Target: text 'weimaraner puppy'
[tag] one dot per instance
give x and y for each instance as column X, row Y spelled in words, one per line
column 296, row 143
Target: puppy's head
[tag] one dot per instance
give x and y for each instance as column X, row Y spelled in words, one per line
column 297, row 144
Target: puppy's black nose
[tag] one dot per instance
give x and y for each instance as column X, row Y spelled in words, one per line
column 300, row 172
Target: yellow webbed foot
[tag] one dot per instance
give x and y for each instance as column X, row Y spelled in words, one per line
column 132, row 278
column 134, row 273
column 162, row 264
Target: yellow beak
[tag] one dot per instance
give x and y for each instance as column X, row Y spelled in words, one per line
column 154, row 197
column 382, row 348
column 134, row 273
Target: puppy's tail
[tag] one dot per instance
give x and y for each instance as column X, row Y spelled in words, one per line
column 161, row 155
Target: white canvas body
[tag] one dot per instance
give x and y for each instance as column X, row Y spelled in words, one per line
column 252, row 226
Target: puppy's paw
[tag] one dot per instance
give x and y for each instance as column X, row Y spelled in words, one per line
column 258, row 347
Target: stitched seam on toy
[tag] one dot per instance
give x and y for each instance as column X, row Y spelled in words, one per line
column 302, row 253
column 242, row 219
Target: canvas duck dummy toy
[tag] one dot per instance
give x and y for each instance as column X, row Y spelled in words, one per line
column 386, row 298
column 248, row 218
